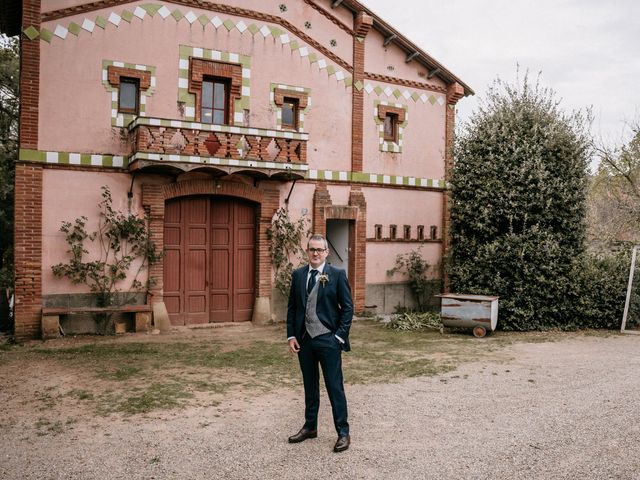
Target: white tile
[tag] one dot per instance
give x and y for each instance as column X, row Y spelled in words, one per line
column 61, row 32
column 342, row 176
column 386, row 179
column 191, row 17
column 52, row 157
column 322, row 64
column 198, row 52
column 216, row 55
column 373, row 178
column 175, row 123
column 114, row 18
column 164, row 12
column 74, row 158
column 241, row 26
column 118, row 161
column 313, row 174
column 388, row 91
column 88, row 25
column 143, row 100
column 368, row 88
column 424, row 97
column 118, row 64
column 406, row 94
column 246, row 73
column 174, row 158
column 303, row 51
column 284, row 39
column 265, row 31
column 216, row 22
column 153, row 82
column 340, row 75
column 183, row 83
column 96, row 160
column 190, row 112
column 183, row 64
column 140, row 12
column 105, row 75
column 234, row 57
column 328, row 175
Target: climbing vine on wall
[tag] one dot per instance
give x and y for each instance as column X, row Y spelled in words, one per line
column 286, row 236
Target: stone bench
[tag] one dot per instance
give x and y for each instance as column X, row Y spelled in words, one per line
column 51, row 316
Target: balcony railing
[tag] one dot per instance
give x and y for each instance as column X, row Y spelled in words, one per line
column 167, row 140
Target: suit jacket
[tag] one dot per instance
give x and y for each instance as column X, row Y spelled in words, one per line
column 334, row 306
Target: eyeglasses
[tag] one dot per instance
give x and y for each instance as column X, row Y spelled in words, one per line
column 316, row 250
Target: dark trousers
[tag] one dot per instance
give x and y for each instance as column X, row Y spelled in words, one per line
column 324, row 351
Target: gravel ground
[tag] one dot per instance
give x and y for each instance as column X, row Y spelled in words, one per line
column 561, row 410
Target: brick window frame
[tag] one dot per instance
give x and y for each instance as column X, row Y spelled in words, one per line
column 112, row 74
column 400, row 115
column 280, row 93
column 200, row 68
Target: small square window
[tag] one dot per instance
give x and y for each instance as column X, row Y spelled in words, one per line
column 434, row 232
column 393, row 232
column 407, row 232
column 391, row 127
column 420, row 232
column 128, row 95
column 290, row 108
column 378, row 232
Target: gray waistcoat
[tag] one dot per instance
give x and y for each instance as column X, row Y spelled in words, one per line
column 311, row 321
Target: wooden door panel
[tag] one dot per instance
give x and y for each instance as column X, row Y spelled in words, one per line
column 209, row 263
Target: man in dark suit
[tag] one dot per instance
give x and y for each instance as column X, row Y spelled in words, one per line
column 318, row 322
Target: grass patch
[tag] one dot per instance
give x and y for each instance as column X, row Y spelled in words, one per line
column 114, row 376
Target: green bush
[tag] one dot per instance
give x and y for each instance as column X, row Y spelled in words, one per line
column 518, row 206
column 415, row 321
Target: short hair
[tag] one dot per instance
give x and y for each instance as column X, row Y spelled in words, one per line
column 319, row 238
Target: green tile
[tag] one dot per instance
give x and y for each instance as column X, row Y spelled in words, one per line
column 415, row 96
column 177, row 14
column 185, row 50
column 294, row 46
column 378, row 90
column 63, row 157
column 204, row 20
column 32, row 155
column 46, row 35
column 31, row 32
column 358, row 85
column 432, row 100
column 348, row 81
column 397, row 93
column 229, row 25
column 152, row 8
column 85, row 160
column 101, row 22
column 331, row 70
column 275, row 31
column 359, row 177
column 313, row 58
column 127, row 16
column 253, row 28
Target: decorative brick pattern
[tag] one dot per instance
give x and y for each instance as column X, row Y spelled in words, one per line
column 111, row 73
column 455, row 92
column 407, row 83
column 28, row 251
column 330, row 17
column 362, row 24
column 380, row 110
column 29, row 76
column 358, row 240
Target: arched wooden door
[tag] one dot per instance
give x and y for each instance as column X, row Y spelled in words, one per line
column 209, row 262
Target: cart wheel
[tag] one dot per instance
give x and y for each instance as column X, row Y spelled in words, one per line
column 479, row 332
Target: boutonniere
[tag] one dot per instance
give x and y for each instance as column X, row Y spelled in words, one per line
column 323, row 278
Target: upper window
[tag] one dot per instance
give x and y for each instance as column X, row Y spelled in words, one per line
column 290, row 107
column 391, row 127
column 128, row 99
column 215, row 101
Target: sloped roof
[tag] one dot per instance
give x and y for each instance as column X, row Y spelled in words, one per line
column 434, row 67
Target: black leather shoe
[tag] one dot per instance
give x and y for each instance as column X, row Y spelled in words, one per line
column 342, row 444
column 302, row 435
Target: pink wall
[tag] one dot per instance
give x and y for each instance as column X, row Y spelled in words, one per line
column 156, row 44
column 382, row 256
column 67, row 195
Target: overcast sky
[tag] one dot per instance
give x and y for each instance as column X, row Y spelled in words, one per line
column 587, row 50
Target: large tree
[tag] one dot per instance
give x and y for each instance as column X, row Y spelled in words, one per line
column 518, row 204
column 9, row 81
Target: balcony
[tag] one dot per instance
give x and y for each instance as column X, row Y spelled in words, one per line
column 170, row 145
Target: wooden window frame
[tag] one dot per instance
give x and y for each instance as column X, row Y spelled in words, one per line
column 420, row 232
column 393, row 232
column 393, row 118
column 200, row 69
column 377, row 232
column 129, row 81
column 227, row 97
column 433, row 232
column 407, row 232
column 295, row 102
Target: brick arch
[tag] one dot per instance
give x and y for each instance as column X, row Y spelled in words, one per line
column 154, row 197
column 212, row 187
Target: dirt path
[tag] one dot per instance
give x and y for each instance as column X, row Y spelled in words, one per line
column 561, row 410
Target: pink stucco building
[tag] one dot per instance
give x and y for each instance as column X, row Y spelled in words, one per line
column 209, row 116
